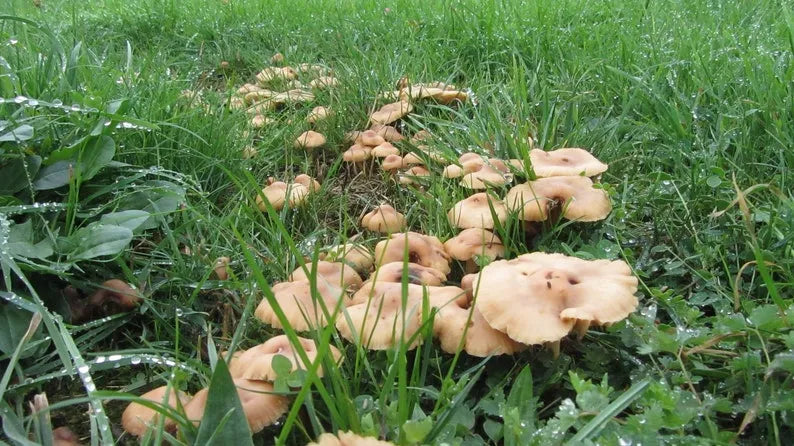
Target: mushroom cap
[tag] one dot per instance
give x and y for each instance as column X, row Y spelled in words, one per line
column 270, row 74
column 302, row 310
column 313, row 68
column 417, row 274
column 336, row 273
column 357, row 153
column 474, row 242
column 318, row 114
column 258, row 95
column 348, row 439
column 248, row 88
column 259, row 121
column 475, row 212
column 356, row 255
column 391, row 112
column 392, row 162
column 434, row 90
column 221, row 267
column 421, row 135
column 484, row 177
column 352, row 136
column 236, row 103
column 63, row 436
column 279, row 193
column 292, row 96
column 481, row 339
column 277, row 59
column 369, row 138
column 136, row 418
column 324, row 82
column 412, row 159
column 387, row 132
column 565, row 162
column 538, row 297
column 261, row 407
column 257, row 362
column 409, row 176
column 383, row 218
column 453, row 171
column 385, row 149
column 310, row 140
column 308, row 182
column 262, row 107
column 422, row 249
column 577, row 196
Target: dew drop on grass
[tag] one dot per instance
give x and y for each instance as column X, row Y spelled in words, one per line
column 20, row 99
column 83, row 369
column 179, row 312
column 114, row 358
column 135, row 360
column 99, row 360
column 57, row 103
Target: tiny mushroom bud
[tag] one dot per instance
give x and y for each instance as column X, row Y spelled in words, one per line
column 383, row 218
column 477, row 211
column 310, row 140
column 257, row 362
column 136, row 418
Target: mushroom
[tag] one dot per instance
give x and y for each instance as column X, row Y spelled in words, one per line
column 261, row 406
column 421, row 135
column 248, row 88
column 565, row 162
column 578, row 199
column 302, row 309
column 258, row 95
column 256, row 362
column 137, row 418
column 348, row 439
column 412, row 159
column 63, row 436
column 113, row 296
column 358, row 256
column 411, row 175
column 310, row 140
column 259, row 121
column 277, row 59
column 422, row 91
column 384, row 150
column 279, row 193
column 383, row 218
column 392, row 163
column 336, row 273
column 369, row 138
column 391, row 112
column 539, row 297
column 482, row 340
column 474, row 242
column 389, row 133
column 318, row 114
column 484, row 177
column 249, row 152
column 262, row 107
column 324, row 82
column 236, row 103
column 310, row 183
column 416, row 274
column 273, row 73
column 357, row 154
column 477, row 211
column 221, row 268
column 292, row 96
column 422, row 249
column 313, row 69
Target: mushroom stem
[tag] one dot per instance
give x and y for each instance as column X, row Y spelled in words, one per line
column 471, row 266
column 554, row 347
column 581, row 329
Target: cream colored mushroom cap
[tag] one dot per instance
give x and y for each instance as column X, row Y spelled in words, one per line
column 324, row 82
column 336, row 273
column 422, row 249
column 272, row 73
column 348, row 439
column 261, row 407
column 310, row 140
column 579, row 199
column 481, row 339
column 475, row 212
column 393, row 162
column 280, row 193
column 384, row 150
column 565, row 162
column 318, row 114
column 357, row 153
column 538, row 297
column 258, row 95
column 389, row 133
column 303, row 312
column 136, row 418
column 369, row 138
column 357, row 255
column 308, row 182
column 256, row 363
column 383, row 218
column 416, row 274
column 484, row 177
column 410, row 176
column 474, row 242
column 391, row 112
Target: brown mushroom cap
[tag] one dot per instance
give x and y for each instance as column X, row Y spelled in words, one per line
column 412, row 159
column 257, row 362
column 577, row 196
column 392, row 162
column 261, row 407
column 221, row 268
column 279, row 193
column 303, row 312
column 369, row 138
column 389, row 133
column 481, row 339
column 136, row 418
column 409, row 176
column 484, row 177
column 336, row 273
column 357, row 153
column 258, row 95
column 348, row 439
column 383, row 218
column 391, row 112
column 384, row 150
column 318, row 114
column 356, row 255
column 308, row 182
column 270, row 74
column 259, row 121
column 475, row 212
column 310, row 140
column 539, row 297
column 422, row 249
column 417, row 274
column 474, row 242
column 63, row 436
column 324, row 82
column 565, row 162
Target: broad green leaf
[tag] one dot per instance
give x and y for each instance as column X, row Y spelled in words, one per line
column 157, row 198
column 22, row 133
column 98, row 240
column 17, row 174
column 131, row 219
column 54, row 175
column 519, row 416
column 281, row 365
column 21, row 242
column 14, row 323
column 416, row 430
column 224, row 421
column 96, row 155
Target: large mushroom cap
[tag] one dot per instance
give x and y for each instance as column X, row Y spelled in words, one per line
column 389, row 133
column 383, row 218
column 310, row 140
column 416, row 274
column 302, row 310
column 481, row 339
column 539, row 297
column 422, row 249
column 257, row 362
column 579, row 199
column 336, row 273
column 356, row 255
column 136, row 418
column 348, row 439
column 565, row 162
column 369, row 138
column 476, row 212
column 391, row 112
column 261, row 407
column 474, row 242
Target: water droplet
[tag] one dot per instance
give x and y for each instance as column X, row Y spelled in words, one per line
column 83, row 369
column 179, row 312
column 20, row 99
column 114, row 357
column 99, row 360
column 135, row 360
column 75, row 107
column 33, row 102
column 57, row 103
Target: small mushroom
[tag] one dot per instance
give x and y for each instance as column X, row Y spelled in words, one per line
column 369, row 138
column 474, row 242
column 292, row 96
column 421, row 135
column 279, row 193
column 575, row 195
column 383, row 218
column 389, row 133
column 384, row 150
column 412, row 159
column 221, row 268
column 336, row 273
column 422, row 249
column 411, row 175
column 302, row 309
column 271, row 74
column 137, row 418
column 277, row 59
column 113, row 296
column 261, row 406
column 484, row 177
column 258, row 95
column 416, row 274
column 318, row 114
column 308, row 182
column 348, row 439
column 324, row 82
column 259, row 121
column 477, row 211
column 310, row 140
column 256, row 362
column 357, row 154
column 391, row 112
column 565, row 162
column 392, row 163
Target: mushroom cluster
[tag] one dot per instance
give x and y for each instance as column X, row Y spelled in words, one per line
column 279, row 193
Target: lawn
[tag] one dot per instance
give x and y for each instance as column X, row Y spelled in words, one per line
column 122, row 156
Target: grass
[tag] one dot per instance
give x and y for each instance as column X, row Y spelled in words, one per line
column 690, row 103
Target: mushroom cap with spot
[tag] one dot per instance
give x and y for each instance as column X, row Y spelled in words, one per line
column 474, row 242
column 393, row 162
column 369, row 138
column 261, row 407
column 357, row 153
column 391, row 112
column 383, row 218
column 410, row 176
column 484, row 177
column 348, row 439
column 356, row 255
column 417, row 274
column 422, row 249
column 387, row 132
column 318, row 114
column 302, row 310
column 384, row 150
column 475, row 212
column 565, row 162
column 310, row 140
column 481, row 339
column 539, row 297
column 256, row 363
column 575, row 194
column 324, row 82
column 136, row 418
column 336, row 273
